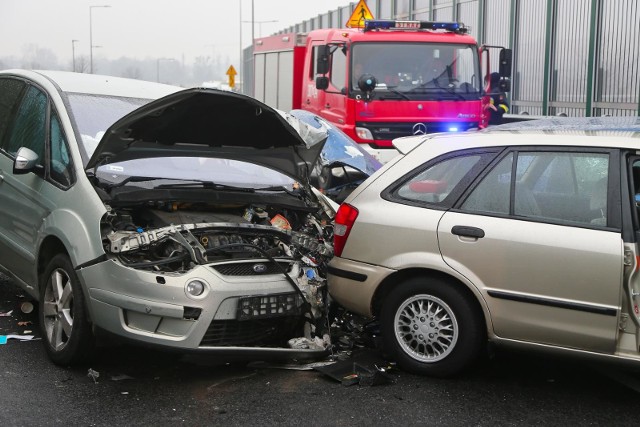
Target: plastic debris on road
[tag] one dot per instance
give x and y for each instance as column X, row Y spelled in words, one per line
column 121, row 377
column 7, row 314
column 93, row 375
column 5, row 338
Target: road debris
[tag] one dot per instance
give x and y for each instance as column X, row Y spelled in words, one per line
column 93, row 375
column 7, row 314
column 364, row 367
column 5, row 338
column 26, row 307
column 121, row 377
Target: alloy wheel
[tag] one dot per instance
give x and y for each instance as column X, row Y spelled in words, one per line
column 426, row 328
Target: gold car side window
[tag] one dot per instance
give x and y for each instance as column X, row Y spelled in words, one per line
column 554, row 186
column 492, row 194
column 563, row 186
column 434, row 184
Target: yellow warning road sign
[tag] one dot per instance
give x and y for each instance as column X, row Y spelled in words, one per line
column 231, row 72
column 359, row 15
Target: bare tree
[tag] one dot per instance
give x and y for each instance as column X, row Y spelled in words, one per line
column 35, row 57
column 132, row 72
column 82, row 64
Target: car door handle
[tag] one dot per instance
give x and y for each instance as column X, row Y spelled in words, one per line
column 466, row 231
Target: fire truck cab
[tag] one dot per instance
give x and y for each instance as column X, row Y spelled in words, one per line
column 388, row 80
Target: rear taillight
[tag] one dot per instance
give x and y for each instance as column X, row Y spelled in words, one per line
column 345, row 218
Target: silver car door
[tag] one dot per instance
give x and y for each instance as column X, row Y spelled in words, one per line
column 544, row 249
column 22, row 206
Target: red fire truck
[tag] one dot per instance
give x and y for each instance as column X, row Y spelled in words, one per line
column 390, row 79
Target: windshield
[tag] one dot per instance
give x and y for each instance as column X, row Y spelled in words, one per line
column 418, row 71
column 180, row 170
column 94, row 114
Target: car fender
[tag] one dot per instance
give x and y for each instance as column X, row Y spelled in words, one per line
column 84, row 245
column 416, row 262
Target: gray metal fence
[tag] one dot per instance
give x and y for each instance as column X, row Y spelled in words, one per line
column 571, row 57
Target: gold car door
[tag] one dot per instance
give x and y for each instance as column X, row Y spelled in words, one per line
column 544, row 249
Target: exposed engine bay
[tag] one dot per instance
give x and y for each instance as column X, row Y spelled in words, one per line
column 172, row 238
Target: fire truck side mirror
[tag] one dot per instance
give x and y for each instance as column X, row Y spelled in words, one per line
column 322, row 83
column 322, row 62
column 505, row 63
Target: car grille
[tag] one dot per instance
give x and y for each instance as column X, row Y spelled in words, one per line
column 249, row 268
column 396, row 130
column 255, row 333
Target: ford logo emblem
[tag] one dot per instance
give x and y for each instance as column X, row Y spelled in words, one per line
column 259, row 268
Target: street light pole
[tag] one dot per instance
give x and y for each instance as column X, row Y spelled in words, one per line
column 158, row 67
column 259, row 25
column 91, row 35
column 73, row 54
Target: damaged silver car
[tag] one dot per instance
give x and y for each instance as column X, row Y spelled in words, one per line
column 189, row 223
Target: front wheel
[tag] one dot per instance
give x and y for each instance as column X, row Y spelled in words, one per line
column 65, row 327
column 431, row 327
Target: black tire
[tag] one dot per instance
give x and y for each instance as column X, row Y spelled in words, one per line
column 64, row 323
column 440, row 339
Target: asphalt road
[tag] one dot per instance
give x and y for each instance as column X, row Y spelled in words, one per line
column 137, row 386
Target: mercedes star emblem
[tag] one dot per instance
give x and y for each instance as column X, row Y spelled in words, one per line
column 419, row 129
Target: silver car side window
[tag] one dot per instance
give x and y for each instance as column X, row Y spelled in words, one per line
column 11, row 89
column 29, row 124
column 60, row 163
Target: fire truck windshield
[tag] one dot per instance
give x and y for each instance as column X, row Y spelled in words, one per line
column 417, row 71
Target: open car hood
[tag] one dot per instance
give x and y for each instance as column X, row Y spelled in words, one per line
column 212, row 123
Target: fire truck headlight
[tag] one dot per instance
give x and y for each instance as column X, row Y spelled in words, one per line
column 364, row 133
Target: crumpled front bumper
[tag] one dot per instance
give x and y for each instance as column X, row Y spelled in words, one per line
column 155, row 309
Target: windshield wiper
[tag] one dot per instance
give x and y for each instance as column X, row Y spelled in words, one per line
column 205, row 184
column 130, row 179
column 393, row 90
column 282, row 188
column 438, row 86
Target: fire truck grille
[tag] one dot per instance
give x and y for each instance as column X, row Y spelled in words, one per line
column 397, row 130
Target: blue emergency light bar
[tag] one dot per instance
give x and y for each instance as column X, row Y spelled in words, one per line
column 455, row 27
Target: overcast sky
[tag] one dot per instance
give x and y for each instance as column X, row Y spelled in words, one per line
column 147, row 28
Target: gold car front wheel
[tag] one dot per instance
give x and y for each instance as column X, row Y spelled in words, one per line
column 431, row 326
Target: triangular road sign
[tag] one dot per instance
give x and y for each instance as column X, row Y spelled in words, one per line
column 359, row 15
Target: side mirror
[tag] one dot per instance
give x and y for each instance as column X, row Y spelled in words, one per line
column 322, row 83
column 322, row 62
column 505, row 63
column 367, row 84
column 25, row 162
